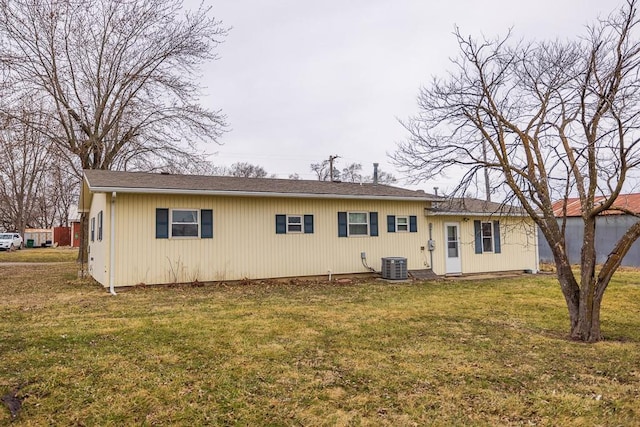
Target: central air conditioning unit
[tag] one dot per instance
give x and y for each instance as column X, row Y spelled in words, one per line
column 394, row 268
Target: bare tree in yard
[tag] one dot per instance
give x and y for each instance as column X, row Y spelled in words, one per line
column 25, row 154
column 120, row 75
column 557, row 119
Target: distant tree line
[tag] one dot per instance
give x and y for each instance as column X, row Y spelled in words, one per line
column 350, row 173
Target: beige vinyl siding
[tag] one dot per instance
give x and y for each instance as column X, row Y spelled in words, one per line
column 98, row 261
column 517, row 240
column 245, row 244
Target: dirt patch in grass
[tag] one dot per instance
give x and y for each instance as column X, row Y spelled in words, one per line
column 489, row 352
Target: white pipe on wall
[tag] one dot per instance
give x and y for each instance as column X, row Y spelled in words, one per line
column 112, row 246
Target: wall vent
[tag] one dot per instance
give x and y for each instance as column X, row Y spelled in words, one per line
column 394, row 268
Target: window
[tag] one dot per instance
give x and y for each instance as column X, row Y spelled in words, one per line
column 401, row 224
column 487, row 237
column 184, row 223
column 93, row 229
column 100, row 226
column 293, row 224
column 178, row 223
column 358, row 224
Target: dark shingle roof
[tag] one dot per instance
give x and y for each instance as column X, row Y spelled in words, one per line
column 468, row 205
column 142, row 182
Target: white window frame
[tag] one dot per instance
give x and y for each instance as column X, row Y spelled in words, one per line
column 300, row 224
column 350, row 223
column 93, row 229
column 488, row 237
column 405, row 226
column 197, row 223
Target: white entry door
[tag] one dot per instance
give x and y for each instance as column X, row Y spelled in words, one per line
column 452, row 257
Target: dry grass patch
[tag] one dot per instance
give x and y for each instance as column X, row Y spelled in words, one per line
column 452, row 353
column 40, row 255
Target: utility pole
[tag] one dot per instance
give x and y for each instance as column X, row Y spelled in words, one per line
column 331, row 159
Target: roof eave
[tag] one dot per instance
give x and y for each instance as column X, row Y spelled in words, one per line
column 462, row 213
column 253, row 194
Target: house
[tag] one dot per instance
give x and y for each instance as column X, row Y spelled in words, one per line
column 160, row 228
column 481, row 236
column 610, row 226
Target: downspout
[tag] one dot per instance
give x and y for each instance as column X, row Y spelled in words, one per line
column 535, row 236
column 112, row 246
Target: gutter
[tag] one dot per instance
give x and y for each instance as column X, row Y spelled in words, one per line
column 112, row 246
column 255, row 194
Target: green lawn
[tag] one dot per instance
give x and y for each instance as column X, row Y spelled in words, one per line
column 449, row 353
column 40, row 255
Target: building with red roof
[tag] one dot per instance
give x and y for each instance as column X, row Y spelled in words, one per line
column 610, row 227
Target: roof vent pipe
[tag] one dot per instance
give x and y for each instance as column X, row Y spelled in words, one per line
column 375, row 173
column 435, row 190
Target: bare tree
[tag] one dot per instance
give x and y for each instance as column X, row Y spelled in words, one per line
column 352, row 173
column 119, row 75
column 383, row 178
column 247, row 170
column 557, row 119
column 323, row 171
column 24, row 153
column 59, row 188
column 240, row 169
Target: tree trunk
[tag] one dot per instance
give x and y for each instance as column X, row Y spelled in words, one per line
column 570, row 290
column 84, row 239
column 587, row 327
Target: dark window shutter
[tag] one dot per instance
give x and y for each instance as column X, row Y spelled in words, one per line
column 100, row 225
column 391, row 224
column 162, row 223
column 413, row 224
column 281, row 224
column 206, row 225
column 373, row 223
column 477, row 231
column 496, row 236
column 342, row 224
column 308, row 224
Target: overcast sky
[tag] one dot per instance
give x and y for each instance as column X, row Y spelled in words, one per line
column 302, row 80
